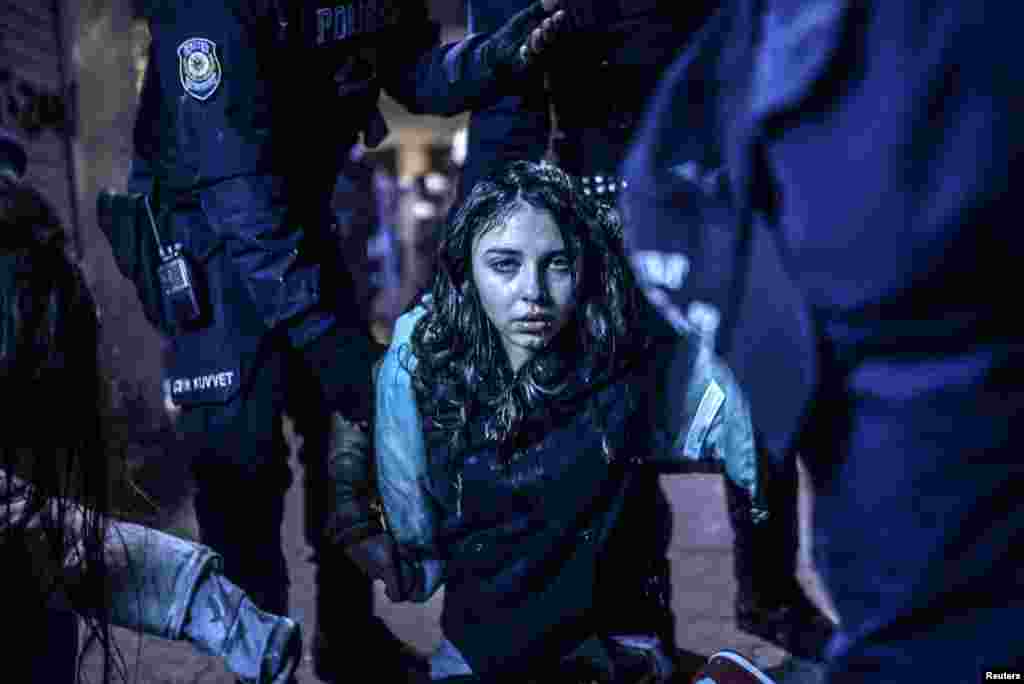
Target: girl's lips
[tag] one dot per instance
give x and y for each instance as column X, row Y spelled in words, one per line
column 535, row 325
column 535, row 316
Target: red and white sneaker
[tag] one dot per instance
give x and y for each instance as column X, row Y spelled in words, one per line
column 729, row 667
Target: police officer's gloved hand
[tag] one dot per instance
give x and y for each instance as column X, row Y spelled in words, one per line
column 376, row 557
column 513, row 48
column 258, row 647
column 355, row 520
column 354, row 511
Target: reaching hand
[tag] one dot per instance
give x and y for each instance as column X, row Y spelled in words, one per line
column 524, row 37
column 376, row 557
column 545, row 36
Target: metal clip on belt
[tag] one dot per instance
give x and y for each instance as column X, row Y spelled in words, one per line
column 602, row 185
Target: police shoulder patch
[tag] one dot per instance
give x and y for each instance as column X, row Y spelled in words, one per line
column 199, row 68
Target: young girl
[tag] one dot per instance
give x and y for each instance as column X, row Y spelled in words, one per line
column 519, row 408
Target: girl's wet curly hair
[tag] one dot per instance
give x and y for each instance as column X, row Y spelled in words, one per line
column 462, row 374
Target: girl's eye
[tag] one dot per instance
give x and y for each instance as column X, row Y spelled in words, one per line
column 560, row 264
column 504, row 265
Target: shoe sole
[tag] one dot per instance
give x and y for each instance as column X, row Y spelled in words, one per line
column 745, row 664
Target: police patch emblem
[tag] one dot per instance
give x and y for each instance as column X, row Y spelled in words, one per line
column 199, row 67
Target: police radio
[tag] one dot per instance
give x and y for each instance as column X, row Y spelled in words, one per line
column 176, row 281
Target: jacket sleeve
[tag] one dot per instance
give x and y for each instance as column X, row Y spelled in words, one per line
column 149, row 127
column 515, row 127
column 708, row 419
column 730, row 435
column 449, row 79
column 173, row 588
column 133, row 244
column 402, row 465
column 509, row 121
column 154, row 576
column 444, row 80
column 136, row 254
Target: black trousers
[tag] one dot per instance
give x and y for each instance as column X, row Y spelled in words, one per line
column 239, row 458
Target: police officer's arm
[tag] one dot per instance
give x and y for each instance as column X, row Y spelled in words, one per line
column 147, row 130
column 471, row 73
column 355, row 520
column 516, row 126
column 122, row 216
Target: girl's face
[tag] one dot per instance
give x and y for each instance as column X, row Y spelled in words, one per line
column 522, row 271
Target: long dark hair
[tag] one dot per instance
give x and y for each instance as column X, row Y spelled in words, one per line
column 462, row 374
column 54, row 448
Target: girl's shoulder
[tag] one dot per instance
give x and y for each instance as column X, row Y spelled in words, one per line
column 407, row 321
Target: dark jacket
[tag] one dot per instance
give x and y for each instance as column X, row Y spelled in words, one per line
column 682, row 209
column 870, row 149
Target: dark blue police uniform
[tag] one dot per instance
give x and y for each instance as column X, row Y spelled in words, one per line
column 870, row 150
column 209, row 132
column 247, row 114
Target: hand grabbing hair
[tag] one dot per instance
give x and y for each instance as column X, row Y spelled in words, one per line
column 527, row 36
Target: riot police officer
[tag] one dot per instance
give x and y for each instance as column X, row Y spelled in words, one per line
column 247, row 112
column 866, row 154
